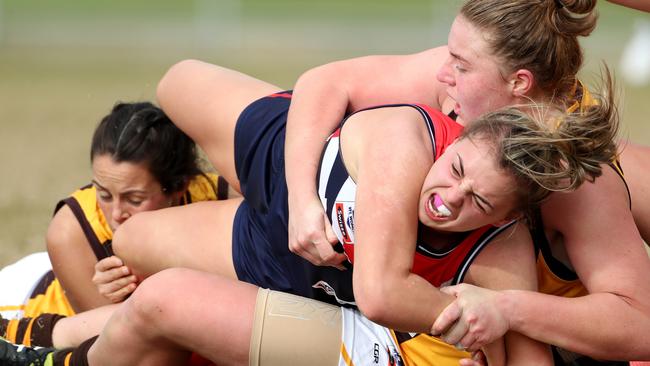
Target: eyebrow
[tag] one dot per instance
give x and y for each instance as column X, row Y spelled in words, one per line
column 132, row 191
column 462, row 174
column 457, row 56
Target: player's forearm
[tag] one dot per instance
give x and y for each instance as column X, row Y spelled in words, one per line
column 408, row 303
column 602, row 325
column 317, row 107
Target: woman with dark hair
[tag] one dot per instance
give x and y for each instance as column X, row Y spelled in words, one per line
column 140, row 162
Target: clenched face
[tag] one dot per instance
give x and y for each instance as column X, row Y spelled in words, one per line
column 466, row 189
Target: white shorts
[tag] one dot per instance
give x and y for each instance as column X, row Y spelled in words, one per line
column 366, row 343
column 17, row 282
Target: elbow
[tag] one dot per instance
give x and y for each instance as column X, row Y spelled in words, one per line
column 373, row 300
column 328, row 75
column 169, row 82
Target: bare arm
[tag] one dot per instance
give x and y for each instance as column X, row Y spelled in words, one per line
column 508, row 262
column 320, row 100
column 643, row 5
column 608, row 254
column 73, row 261
column 388, row 188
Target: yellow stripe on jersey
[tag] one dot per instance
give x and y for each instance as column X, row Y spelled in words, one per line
column 203, row 188
column 92, row 214
column 12, row 330
column 424, row 350
column 582, row 98
column 11, row 307
column 549, row 283
column 28, row 334
column 52, row 301
column 345, row 355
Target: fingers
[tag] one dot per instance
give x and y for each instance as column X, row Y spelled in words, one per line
column 451, row 290
column 118, row 289
column 468, row 342
column 108, row 263
column 478, row 359
column 455, row 333
column 113, row 279
column 122, row 293
column 330, row 236
column 108, row 275
column 447, row 318
column 320, row 253
column 316, row 243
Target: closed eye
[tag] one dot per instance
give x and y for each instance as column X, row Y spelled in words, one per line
column 483, row 204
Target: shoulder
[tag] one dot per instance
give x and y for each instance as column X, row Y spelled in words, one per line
column 507, row 262
column 64, row 229
column 391, row 122
column 390, row 137
column 606, row 197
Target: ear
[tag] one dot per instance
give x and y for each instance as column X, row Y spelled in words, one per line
column 522, row 83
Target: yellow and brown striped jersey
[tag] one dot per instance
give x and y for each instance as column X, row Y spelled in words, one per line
column 48, row 296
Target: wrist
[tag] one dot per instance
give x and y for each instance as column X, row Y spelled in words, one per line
column 507, row 305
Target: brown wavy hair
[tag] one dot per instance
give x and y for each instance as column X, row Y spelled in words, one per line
column 538, row 35
column 547, row 149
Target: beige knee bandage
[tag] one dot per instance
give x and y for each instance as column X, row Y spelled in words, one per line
column 289, row 329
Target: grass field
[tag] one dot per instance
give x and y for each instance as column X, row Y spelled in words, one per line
column 63, row 65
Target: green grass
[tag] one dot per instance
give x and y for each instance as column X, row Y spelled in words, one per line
column 64, row 63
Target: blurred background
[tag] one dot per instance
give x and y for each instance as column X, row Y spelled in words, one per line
column 64, row 63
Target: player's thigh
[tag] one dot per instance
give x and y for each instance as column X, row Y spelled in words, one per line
column 205, row 101
column 196, row 236
column 313, row 327
column 212, row 315
column 634, row 160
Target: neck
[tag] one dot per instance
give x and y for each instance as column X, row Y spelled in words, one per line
column 439, row 240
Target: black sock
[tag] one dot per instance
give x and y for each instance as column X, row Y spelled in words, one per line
column 77, row 356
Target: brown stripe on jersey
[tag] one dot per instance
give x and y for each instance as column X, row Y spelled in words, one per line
column 616, row 165
column 3, row 327
column 23, row 325
column 222, row 188
column 95, row 244
column 63, row 202
column 402, row 337
column 43, row 284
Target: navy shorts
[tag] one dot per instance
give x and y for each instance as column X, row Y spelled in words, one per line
column 260, row 240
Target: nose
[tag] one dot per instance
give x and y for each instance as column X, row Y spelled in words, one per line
column 119, row 213
column 456, row 194
column 445, row 74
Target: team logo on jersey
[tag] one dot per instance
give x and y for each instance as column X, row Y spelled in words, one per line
column 330, row 291
column 340, row 220
column 394, row 358
column 350, row 220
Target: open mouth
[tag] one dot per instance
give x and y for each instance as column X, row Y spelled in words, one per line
column 436, row 207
